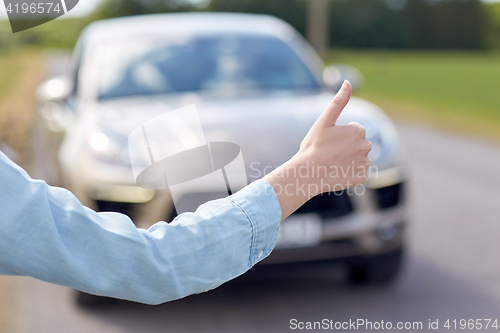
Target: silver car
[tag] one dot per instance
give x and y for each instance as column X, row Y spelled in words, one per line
column 255, row 82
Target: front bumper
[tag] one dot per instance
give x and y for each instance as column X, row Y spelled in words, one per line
column 375, row 223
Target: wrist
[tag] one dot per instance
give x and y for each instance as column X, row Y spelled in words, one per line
column 292, row 184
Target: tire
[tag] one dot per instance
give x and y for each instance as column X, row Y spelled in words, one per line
column 379, row 269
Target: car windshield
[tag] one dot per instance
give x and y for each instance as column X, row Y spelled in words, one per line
column 145, row 66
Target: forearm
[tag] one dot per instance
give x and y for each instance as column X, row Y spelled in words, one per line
column 47, row 234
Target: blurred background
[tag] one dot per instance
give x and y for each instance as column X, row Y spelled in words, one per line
column 432, row 65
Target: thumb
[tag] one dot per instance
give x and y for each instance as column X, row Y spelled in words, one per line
column 332, row 112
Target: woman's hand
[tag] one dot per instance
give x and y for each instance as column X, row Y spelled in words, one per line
column 330, row 158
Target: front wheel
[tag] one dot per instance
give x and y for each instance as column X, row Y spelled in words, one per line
column 379, row 269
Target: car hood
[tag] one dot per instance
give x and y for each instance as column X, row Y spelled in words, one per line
column 268, row 128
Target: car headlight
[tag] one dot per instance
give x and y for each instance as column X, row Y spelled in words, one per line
column 108, row 150
column 384, row 138
column 381, row 132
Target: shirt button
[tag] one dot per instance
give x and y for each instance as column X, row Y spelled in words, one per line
column 261, row 253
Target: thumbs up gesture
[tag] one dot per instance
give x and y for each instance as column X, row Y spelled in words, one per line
column 331, row 158
column 342, row 148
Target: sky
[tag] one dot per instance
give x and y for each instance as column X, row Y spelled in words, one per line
column 84, row 7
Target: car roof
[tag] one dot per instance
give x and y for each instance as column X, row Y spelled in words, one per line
column 189, row 23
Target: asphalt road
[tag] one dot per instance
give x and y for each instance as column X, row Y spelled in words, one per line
column 452, row 269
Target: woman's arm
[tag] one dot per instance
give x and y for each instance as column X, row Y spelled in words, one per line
column 46, row 233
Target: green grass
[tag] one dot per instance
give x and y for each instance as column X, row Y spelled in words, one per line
column 457, row 90
column 21, row 70
column 14, row 62
column 10, row 67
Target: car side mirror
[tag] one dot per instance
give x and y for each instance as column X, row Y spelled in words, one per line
column 334, row 76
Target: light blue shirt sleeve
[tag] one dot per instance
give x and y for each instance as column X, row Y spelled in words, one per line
column 46, row 233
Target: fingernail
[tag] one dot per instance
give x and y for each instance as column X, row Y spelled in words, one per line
column 344, row 85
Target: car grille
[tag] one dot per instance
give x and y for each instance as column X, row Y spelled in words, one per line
column 389, row 196
column 172, row 215
column 119, row 207
column 328, row 205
